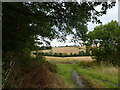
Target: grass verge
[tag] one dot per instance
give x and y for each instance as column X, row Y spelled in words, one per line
column 98, row 75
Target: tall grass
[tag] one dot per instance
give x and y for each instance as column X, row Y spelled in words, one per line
column 101, row 75
column 37, row 74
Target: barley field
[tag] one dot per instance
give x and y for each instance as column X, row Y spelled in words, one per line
column 68, row 59
column 67, row 50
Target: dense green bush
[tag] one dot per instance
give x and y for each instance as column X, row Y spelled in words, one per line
column 82, row 53
column 106, row 39
column 65, row 55
column 71, row 54
column 75, row 54
column 87, row 53
column 60, row 55
column 56, row 54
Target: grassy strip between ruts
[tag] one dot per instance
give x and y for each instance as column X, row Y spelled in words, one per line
column 99, row 76
column 65, row 70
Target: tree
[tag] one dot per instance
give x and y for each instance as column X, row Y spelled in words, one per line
column 71, row 54
column 60, row 55
column 23, row 25
column 106, row 37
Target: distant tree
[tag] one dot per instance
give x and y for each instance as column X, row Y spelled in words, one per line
column 65, row 55
column 66, row 46
column 79, row 53
column 71, row 54
column 51, row 53
column 49, row 47
column 87, row 53
column 75, row 54
column 59, row 54
column 82, row 53
column 56, row 54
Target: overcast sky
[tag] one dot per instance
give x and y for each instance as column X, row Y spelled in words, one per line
column 112, row 14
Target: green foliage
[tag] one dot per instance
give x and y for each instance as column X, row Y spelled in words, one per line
column 45, row 48
column 71, row 54
column 60, row 54
column 25, row 55
column 106, row 39
column 75, row 54
column 87, row 52
column 65, row 55
column 56, row 54
column 40, row 58
column 52, row 67
column 86, row 64
column 81, row 53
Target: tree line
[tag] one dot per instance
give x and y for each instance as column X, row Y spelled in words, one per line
column 80, row 53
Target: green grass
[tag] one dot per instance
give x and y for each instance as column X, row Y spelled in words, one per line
column 65, row 70
column 96, row 74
